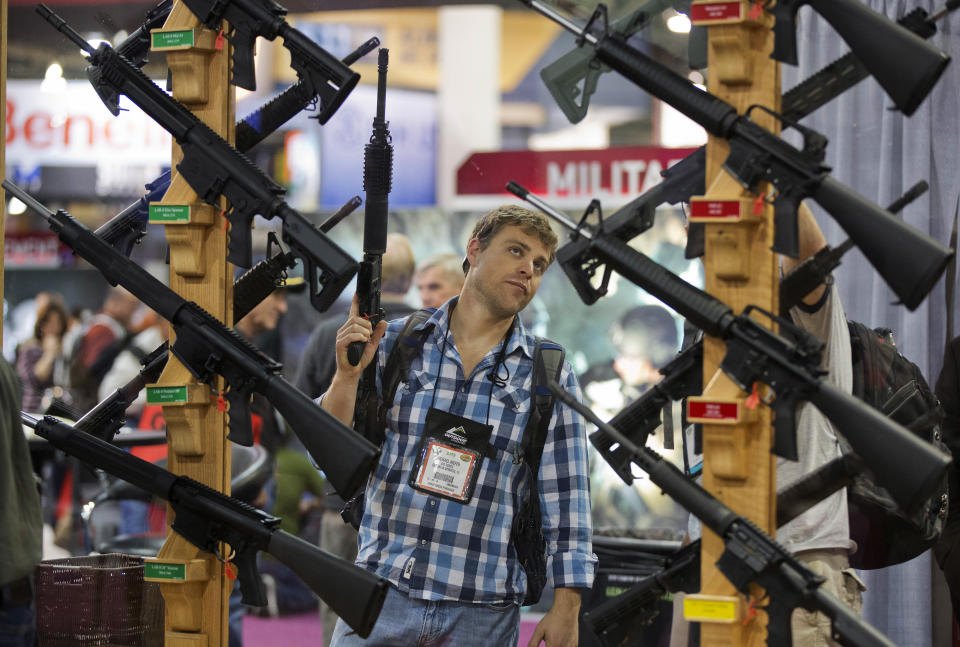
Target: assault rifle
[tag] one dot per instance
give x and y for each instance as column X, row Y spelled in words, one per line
column 623, row 616
column 213, row 168
column 911, row 262
column 683, row 375
column 750, row 555
column 377, row 182
column 205, row 518
column 325, row 76
column 790, row 368
column 129, row 226
column 206, row 348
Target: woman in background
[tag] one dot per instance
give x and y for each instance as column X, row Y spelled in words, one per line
column 40, row 358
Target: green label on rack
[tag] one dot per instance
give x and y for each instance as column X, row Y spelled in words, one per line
column 167, row 39
column 165, row 571
column 164, row 213
column 166, row 394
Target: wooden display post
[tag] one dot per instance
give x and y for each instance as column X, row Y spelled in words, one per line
column 740, row 269
column 195, row 585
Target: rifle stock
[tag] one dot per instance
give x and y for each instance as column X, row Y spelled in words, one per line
column 352, row 593
column 904, row 64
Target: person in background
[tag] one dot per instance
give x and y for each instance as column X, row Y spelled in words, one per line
column 102, row 339
column 317, row 370
column 946, row 549
column 127, row 364
column 263, row 317
column 40, row 359
column 21, row 527
column 442, row 539
column 439, row 278
column 820, row 536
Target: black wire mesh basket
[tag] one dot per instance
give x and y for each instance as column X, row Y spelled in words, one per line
column 97, row 600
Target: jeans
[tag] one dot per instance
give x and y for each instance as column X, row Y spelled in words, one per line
column 421, row 623
column 17, row 626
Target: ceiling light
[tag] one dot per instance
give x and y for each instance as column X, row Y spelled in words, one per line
column 15, row 208
column 679, row 24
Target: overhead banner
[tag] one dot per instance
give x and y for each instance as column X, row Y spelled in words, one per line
column 614, row 175
column 70, row 126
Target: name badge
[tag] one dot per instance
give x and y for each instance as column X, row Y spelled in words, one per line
column 447, row 470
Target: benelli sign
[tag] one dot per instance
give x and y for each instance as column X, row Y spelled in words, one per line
column 618, row 173
column 72, row 127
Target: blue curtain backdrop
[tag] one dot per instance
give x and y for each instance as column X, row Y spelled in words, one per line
column 880, row 153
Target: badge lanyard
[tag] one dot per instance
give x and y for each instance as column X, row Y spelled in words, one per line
column 452, row 447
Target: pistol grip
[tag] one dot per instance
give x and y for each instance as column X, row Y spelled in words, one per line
column 355, row 352
column 785, row 31
column 785, row 429
column 241, row 429
column 251, row 584
column 786, row 228
column 242, row 74
column 239, row 245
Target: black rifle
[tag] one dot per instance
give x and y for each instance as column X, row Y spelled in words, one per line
column 325, row 76
column 904, row 65
column 790, row 368
column 213, row 168
column 911, row 262
column 206, row 348
column 683, row 375
column 205, row 518
column 750, row 555
column 377, row 182
column 624, row 616
column 129, row 226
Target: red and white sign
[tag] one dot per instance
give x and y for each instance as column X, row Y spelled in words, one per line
column 610, row 174
column 708, row 12
column 72, row 127
column 715, row 209
column 712, row 410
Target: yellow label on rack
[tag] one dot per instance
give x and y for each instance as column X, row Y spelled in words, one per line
column 710, row 608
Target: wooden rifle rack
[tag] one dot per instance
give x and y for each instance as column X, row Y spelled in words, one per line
column 740, row 269
column 195, row 585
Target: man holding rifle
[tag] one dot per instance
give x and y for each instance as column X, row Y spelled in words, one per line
column 440, row 504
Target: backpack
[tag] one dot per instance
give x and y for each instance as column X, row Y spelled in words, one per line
column 526, row 534
column 892, row 384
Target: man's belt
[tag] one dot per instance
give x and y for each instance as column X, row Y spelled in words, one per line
column 17, row 593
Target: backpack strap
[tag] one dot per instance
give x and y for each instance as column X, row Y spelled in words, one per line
column 547, row 361
column 407, row 346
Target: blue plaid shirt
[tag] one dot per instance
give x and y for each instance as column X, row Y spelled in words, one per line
column 436, row 549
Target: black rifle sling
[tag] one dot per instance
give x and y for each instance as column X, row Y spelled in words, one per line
column 548, row 360
column 406, row 347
